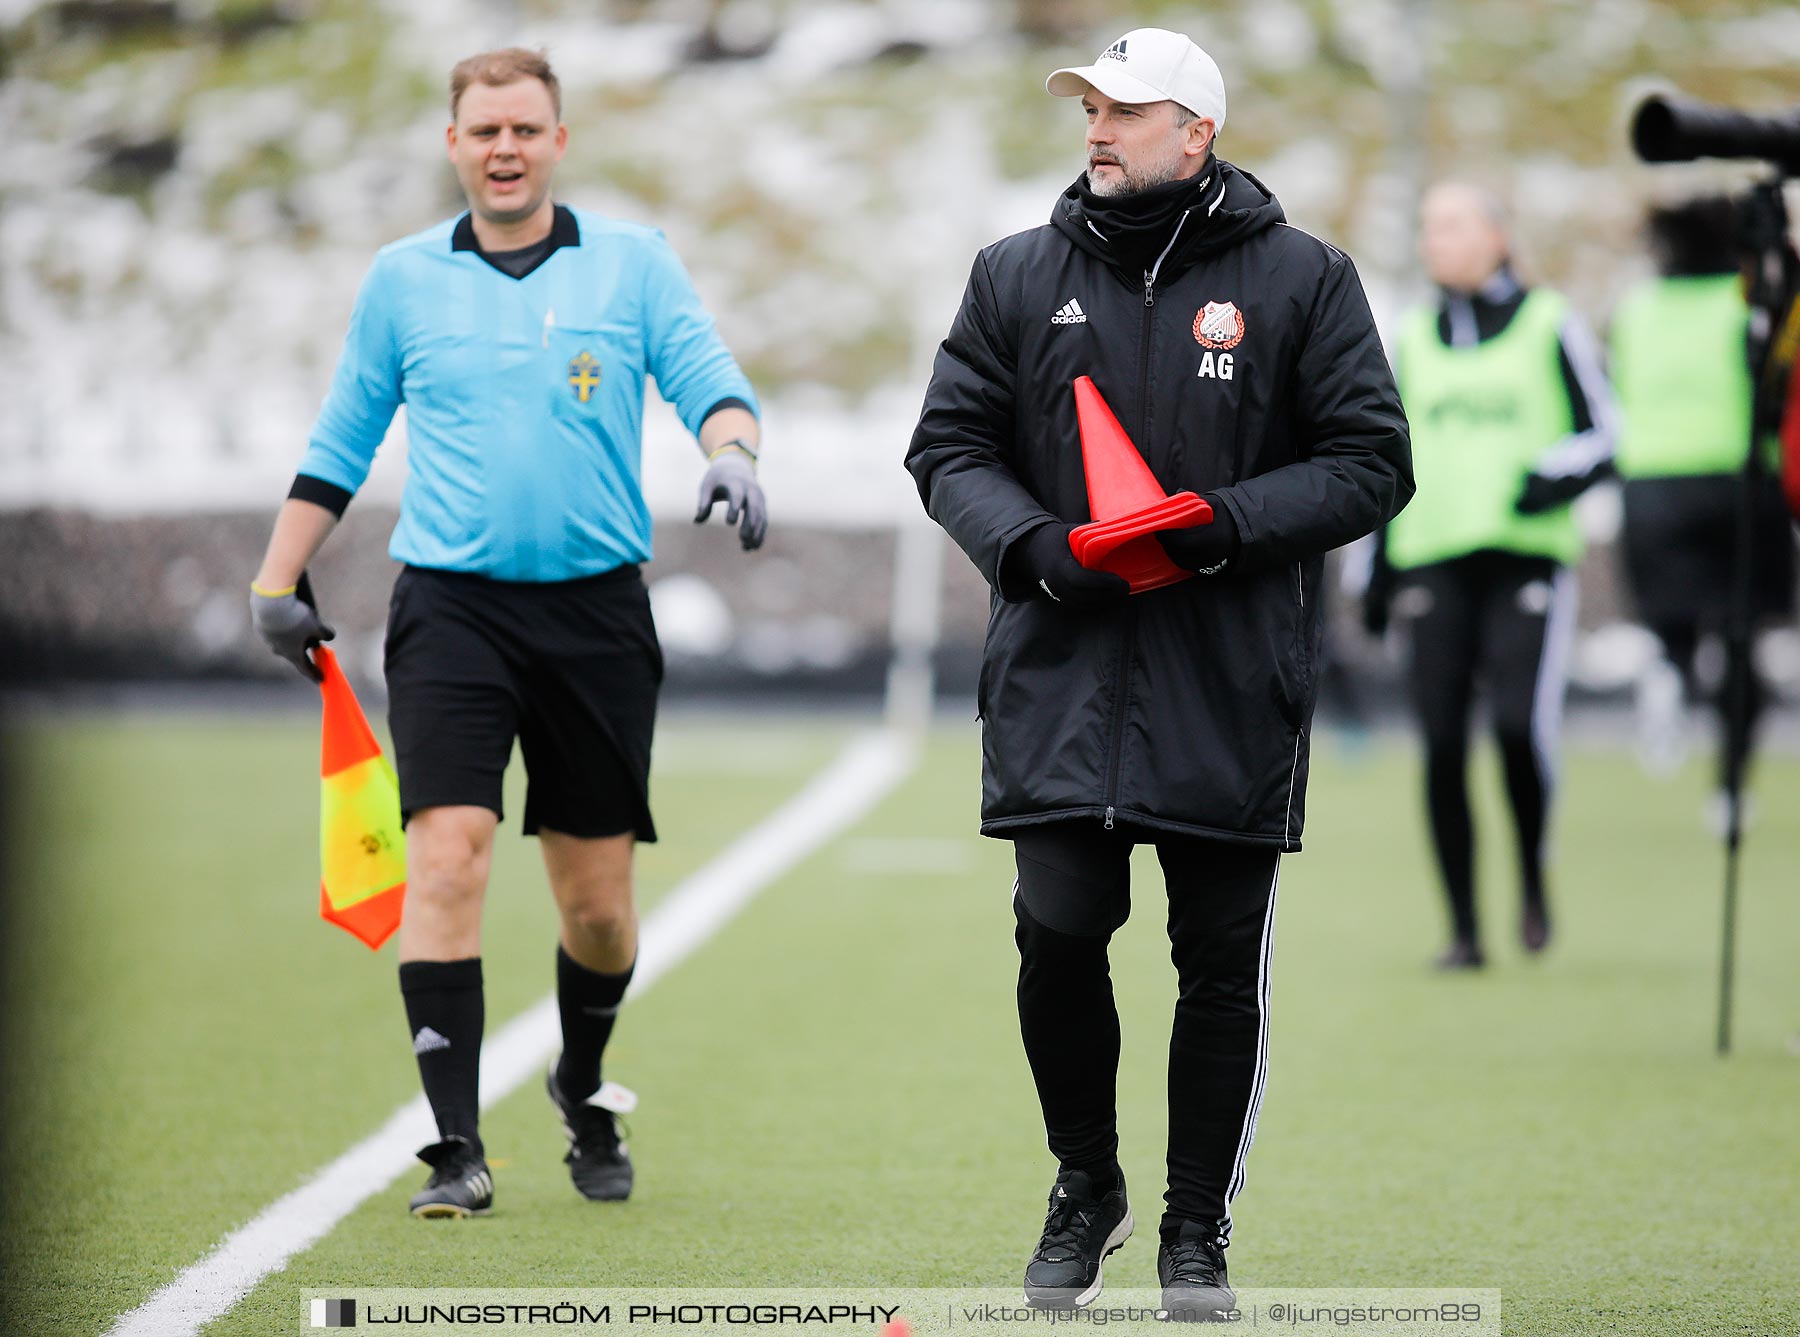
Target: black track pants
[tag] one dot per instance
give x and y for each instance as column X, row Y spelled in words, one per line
column 1681, row 644
column 1680, row 539
column 1505, row 622
column 1073, row 891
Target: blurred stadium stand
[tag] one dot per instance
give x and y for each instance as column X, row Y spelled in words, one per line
column 199, row 186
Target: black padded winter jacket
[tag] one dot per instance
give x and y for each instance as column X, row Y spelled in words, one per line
column 1245, row 366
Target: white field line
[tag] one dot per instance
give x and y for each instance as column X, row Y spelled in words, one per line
column 862, row 775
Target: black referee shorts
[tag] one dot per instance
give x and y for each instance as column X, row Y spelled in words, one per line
column 571, row 669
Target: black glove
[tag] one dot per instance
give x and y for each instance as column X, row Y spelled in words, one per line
column 1205, row 549
column 1540, row 494
column 731, row 478
column 1043, row 558
column 289, row 624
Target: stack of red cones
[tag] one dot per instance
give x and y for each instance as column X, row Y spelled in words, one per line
column 1127, row 503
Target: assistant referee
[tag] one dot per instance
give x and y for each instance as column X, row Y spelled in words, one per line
column 518, row 337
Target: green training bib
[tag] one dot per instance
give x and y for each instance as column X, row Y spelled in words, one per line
column 1481, row 416
column 1678, row 366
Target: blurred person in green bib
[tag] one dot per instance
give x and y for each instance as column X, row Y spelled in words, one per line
column 1678, row 356
column 1512, row 419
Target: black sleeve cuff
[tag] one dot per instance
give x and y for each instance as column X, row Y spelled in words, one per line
column 729, row 402
column 1224, row 526
column 320, row 493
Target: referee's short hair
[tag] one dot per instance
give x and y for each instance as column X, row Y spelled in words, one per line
column 506, row 66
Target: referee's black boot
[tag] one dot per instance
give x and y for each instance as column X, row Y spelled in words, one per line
column 1191, row 1267
column 460, row 1184
column 598, row 1161
column 1082, row 1228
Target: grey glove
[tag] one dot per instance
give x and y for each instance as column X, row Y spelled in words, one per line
column 290, row 625
column 731, row 477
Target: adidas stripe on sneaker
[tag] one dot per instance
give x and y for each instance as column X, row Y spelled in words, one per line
column 460, row 1183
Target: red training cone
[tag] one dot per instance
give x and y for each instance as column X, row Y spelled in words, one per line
column 1127, row 503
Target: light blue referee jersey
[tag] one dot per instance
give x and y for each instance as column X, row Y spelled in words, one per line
column 524, row 397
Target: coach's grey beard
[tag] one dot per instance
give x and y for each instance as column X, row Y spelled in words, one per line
column 1134, row 180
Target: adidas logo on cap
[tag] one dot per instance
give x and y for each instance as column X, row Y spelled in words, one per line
column 1150, row 65
column 1069, row 313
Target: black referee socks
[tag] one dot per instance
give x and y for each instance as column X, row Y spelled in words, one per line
column 445, row 1014
column 589, row 1002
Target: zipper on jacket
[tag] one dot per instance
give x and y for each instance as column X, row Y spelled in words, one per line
column 1121, row 694
column 1155, row 269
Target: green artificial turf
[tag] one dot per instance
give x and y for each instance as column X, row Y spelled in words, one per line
column 832, row 1089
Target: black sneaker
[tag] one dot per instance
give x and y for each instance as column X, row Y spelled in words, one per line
column 598, row 1161
column 1191, row 1268
column 460, row 1184
column 1080, row 1231
column 1534, row 926
column 1460, row 955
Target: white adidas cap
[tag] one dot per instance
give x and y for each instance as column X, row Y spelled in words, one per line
column 1150, row 65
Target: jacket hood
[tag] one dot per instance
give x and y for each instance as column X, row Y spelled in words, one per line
column 1247, row 207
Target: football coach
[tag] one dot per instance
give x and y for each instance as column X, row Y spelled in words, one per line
column 518, row 337
column 1240, row 356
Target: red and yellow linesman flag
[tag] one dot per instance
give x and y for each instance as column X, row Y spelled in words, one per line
column 362, row 847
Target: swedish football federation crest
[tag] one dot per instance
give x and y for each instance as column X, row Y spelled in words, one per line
column 584, row 374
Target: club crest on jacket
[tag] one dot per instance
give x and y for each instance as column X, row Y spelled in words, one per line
column 1219, row 325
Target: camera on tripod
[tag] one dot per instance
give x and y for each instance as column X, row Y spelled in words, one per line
column 1675, row 129
column 1678, row 129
